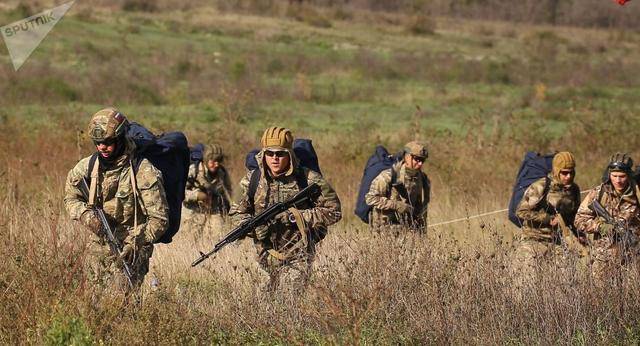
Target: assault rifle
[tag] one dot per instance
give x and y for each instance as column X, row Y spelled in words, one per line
column 106, row 229
column 621, row 232
column 306, row 195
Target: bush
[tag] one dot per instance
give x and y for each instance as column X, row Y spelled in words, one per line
column 421, row 25
column 65, row 330
column 140, row 6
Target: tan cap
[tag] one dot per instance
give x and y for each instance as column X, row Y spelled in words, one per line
column 417, row 149
column 277, row 138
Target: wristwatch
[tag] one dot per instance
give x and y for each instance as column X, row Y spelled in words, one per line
column 291, row 218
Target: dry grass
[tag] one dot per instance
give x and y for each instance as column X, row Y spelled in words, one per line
column 452, row 286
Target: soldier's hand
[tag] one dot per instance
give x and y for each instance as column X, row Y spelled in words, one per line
column 262, row 232
column 91, row 221
column 285, row 218
column 128, row 253
column 202, row 196
column 403, row 208
column 605, row 229
column 554, row 221
column 132, row 245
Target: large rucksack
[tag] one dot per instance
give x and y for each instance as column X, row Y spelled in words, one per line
column 169, row 153
column 378, row 162
column 534, row 166
column 307, row 157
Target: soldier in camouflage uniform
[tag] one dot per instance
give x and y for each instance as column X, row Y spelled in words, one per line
column 547, row 210
column 286, row 247
column 208, row 193
column 402, row 202
column 135, row 205
column 619, row 196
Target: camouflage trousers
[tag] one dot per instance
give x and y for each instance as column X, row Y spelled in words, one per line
column 104, row 270
column 198, row 225
column 292, row 274
column 608, row 260
column 532, row 257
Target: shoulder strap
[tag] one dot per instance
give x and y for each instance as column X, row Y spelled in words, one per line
column 394, row 178
column 301, row 178
column 601, row 193
column 253, row 184
column 93, row 179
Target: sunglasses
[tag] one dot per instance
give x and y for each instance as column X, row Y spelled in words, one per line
column 567, row 172
column 417, row 158
column 107, row 142
column 279, row 153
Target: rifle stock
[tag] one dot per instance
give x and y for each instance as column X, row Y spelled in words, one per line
column 307, row 194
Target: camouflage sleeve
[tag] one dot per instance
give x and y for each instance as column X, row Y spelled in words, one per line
column 241, row 209
column 153, row 200
column 379, row 190
column 74, row 202
column 190, row 193
column 326, row 210
column 528, row 208
column 586, row 219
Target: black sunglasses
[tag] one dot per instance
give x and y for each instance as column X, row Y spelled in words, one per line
column 279, row 153
column 417, row 158
column 107, row 142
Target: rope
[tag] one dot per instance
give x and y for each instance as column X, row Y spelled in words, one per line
column 479, row 215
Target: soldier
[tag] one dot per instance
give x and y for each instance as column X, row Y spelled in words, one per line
column 619, row 197
column 135, row 205
column 400, row 195
column 286, row 247
column 547, row 210
column 208, row 193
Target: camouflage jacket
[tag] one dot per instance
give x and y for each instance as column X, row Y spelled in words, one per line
column 325, row 210
column 382, row 197
column 115, row 195
column 537, row 209
column 217, row 187
column 622, row 207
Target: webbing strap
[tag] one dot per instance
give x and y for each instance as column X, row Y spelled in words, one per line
column 134, row 187
column 94, row 184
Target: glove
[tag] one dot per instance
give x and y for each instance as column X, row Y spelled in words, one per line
column 605, row 229
column 202, row 196
column 403, row 208
column 90, row 220
column 262, row 232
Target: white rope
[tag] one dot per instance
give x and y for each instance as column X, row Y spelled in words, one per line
column 479, row 215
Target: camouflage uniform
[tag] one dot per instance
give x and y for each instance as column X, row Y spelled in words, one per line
column 115, row 194
column 540, row 239
column 607, row 253
column 287, row 254
column 383, row 198
column 198, row 215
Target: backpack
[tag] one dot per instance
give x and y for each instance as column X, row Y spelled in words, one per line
column 534, row 166
column 378, row 162
column 307, row 157
column 169, row 153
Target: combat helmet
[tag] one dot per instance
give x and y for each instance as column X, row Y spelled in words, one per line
column 107, row 124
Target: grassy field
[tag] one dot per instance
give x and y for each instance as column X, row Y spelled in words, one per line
column 487, row 93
